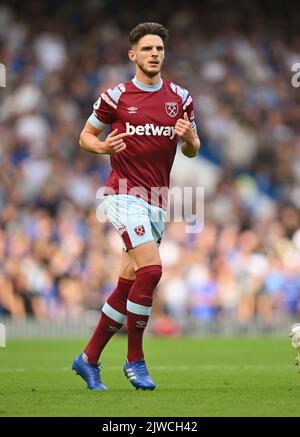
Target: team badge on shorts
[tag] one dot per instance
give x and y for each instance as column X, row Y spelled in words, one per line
column 139, row 230
column 171, row 108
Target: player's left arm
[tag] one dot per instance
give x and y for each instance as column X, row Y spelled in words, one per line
column 188, row 136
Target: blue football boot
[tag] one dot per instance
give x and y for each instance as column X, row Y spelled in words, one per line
column 90, row 373
column 138, row 375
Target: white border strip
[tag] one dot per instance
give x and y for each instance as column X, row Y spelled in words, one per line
column 138, row 309
column 113, row 314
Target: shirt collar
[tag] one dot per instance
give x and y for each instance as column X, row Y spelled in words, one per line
column 149, row 88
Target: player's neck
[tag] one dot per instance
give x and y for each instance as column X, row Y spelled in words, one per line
column 146, row 80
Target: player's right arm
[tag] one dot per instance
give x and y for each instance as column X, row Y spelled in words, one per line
column 112, row 144
column 104, row 114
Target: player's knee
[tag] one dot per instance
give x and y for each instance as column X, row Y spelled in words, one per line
column 148, row 276
column 152, row 273
column 146, row 281
column 128, row 273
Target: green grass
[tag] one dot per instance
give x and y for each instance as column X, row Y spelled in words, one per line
column 194, row 377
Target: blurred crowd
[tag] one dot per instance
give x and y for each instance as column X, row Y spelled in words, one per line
column 56, row 259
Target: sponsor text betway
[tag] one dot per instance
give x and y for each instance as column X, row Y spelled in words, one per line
column 150, row 129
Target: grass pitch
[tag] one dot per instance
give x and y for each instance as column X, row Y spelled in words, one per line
column 194, row 377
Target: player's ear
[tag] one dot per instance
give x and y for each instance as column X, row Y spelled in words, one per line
column 131, row 55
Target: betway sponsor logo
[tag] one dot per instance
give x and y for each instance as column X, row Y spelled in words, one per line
column 150, row 129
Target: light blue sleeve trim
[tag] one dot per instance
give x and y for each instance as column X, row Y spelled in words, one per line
column 115, row 94
column 184, row 95
column 181, row 92
column 138, row 309
column 96, row 123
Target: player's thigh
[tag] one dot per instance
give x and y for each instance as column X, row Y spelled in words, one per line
column 127, row 269
column 129, row 216
column 145, row 255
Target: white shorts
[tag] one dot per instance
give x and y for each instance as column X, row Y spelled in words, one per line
column 136, row 221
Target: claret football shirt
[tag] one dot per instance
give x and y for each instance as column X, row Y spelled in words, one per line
column 148, row 115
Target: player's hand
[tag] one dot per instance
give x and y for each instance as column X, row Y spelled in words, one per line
column 184, row 130
column 114, row 143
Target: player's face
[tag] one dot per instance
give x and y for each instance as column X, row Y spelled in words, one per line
column 148, row 54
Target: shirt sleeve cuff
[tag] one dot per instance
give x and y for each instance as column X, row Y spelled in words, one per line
column 96, row 123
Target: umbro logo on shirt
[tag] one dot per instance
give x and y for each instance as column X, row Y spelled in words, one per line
column 132, row 110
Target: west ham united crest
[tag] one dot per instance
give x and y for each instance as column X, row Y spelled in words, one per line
column 139, row 230
column 171, row 108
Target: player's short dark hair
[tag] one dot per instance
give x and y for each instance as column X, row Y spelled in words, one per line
column 143, row 29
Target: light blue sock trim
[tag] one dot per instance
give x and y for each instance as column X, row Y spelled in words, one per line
column 113, row 314
column 138, row 309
